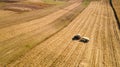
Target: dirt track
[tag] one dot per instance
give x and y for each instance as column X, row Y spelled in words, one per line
column 96, row 22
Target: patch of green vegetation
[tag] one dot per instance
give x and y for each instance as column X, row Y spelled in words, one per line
column 28, row 46
column 56, row 2
column 86, row 2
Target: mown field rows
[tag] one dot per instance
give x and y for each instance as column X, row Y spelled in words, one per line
column 7, row 16
column 5, row 13
column 98, row 23
column 17, row 39
column 34, row 24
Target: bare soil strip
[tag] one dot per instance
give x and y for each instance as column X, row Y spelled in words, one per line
column 98, row 23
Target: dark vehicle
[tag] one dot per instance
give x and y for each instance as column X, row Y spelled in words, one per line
column 76, row 37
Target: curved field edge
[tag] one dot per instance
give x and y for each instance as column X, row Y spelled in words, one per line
column 50, row 30
column 115, row 4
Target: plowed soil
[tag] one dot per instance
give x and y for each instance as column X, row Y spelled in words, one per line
column 98, row 23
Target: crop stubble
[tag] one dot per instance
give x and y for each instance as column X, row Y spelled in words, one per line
column 97, row 21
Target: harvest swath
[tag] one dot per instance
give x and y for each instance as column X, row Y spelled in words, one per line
column 97, row 22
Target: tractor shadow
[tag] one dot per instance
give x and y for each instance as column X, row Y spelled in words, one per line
column 83, row 41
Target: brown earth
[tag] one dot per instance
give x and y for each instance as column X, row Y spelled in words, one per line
column 98, row 23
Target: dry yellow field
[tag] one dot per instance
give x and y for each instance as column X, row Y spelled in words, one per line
column 17, row 39
column 97, row 22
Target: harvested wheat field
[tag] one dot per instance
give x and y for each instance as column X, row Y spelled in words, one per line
column 52, row 45
column 20, row 38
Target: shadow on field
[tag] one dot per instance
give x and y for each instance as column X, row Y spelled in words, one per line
column 118, row 22
column 7, row 1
